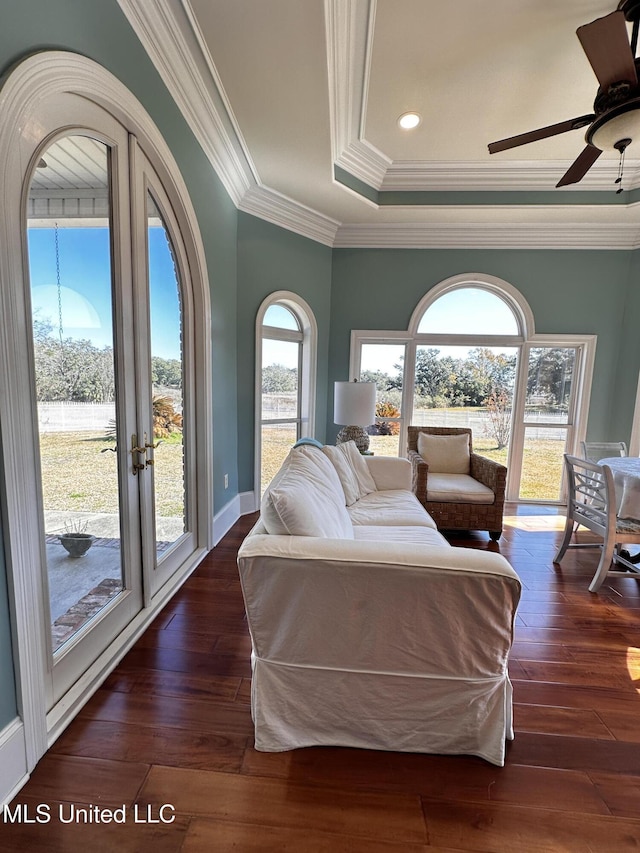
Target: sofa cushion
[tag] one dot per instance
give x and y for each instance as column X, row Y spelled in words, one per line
column 406, row 534
column 305, row 498
column 457, row 488
column 445, row 454
column 351, row 469
column 393, row 507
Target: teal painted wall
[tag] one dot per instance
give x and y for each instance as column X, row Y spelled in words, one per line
column 100, row 31
column 271, row 259
column 580, row 292
column 623, row 391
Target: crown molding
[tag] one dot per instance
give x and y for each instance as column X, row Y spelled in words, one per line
column 392, row 235
column 349, row 37
column 511, row 175
column 171, row 37
column 281, row 210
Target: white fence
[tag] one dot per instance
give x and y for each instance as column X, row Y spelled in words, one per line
column 479, row 422
column 75, row 417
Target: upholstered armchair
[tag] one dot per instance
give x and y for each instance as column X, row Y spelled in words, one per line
column 460, row 489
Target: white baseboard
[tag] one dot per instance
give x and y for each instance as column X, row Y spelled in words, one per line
column 248, row 503
column 13, row 760
column 223, row 521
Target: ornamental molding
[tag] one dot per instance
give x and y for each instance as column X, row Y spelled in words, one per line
column 281, row 210
column 393, row 235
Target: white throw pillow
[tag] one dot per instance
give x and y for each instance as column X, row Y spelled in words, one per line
column 445, row 454
column 352, row 470
column 305, row 498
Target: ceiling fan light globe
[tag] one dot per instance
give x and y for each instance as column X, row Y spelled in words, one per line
column 608, row 130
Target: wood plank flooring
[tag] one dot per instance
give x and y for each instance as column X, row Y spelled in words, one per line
column 172, row 725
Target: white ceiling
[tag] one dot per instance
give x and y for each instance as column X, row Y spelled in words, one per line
column 279, row 92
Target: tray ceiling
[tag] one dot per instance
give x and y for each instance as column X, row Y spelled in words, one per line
column 296, row 105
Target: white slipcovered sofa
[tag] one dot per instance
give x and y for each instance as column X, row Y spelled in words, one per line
column 368, row 629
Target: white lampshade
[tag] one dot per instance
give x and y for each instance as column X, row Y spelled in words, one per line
column 354, row 403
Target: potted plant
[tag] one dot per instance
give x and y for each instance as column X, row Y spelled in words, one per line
column 75, row 539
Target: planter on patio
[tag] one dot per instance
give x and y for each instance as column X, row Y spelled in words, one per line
column 77, row 544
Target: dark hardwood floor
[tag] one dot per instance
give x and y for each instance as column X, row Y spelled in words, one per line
column 172, row 725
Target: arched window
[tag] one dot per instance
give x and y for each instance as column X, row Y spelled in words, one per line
column 286, row 338
column 470, row 357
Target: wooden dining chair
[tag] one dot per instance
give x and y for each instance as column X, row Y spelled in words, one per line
column 591, row 502
column 594, row 451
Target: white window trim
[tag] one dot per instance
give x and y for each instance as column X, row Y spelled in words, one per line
column 585, row 344
column 32, row 82
column 307, row 385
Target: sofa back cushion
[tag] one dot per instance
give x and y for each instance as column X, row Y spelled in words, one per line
column 305, row 498
column 352, row 470
column 445, row 454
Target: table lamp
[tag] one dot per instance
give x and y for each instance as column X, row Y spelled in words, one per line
column 354, row 406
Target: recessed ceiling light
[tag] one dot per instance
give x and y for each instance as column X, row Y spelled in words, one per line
column 408, row 121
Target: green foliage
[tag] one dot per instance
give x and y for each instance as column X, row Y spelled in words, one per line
column 550, row 375
column 166, row 372
column 80, row 372
column 276, row 378
column 382, row 380
column 73, row 370
column 444, row 381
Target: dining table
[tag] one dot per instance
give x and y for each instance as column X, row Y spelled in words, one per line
column 626, row 479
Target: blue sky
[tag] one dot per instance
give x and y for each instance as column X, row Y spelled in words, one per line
column 85, row 282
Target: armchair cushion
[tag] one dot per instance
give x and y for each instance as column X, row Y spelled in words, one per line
column 457, row 488
column 445, row 454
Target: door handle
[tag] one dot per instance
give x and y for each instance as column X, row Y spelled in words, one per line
column 148, row 459
column 136, row 449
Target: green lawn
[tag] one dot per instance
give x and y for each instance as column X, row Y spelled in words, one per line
column 78, row 477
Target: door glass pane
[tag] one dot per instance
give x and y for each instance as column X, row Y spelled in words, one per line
column 167, row 373
column 384, row 365
column 280, row 379
column 549, row 384
column 73, row 339
column 467, row 387
column 542, row 463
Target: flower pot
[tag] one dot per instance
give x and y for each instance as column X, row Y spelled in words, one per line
column 77, row 544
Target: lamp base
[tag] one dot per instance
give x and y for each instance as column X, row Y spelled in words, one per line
column 354, row 433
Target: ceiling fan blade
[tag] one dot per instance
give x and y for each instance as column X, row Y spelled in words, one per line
column 606, row 43
column 541, row 133
column 579, row 168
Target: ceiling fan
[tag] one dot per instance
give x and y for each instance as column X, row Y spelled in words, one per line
column 615, row 121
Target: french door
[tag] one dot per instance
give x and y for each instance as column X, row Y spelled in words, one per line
column 112, row 384
column 550, row 406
